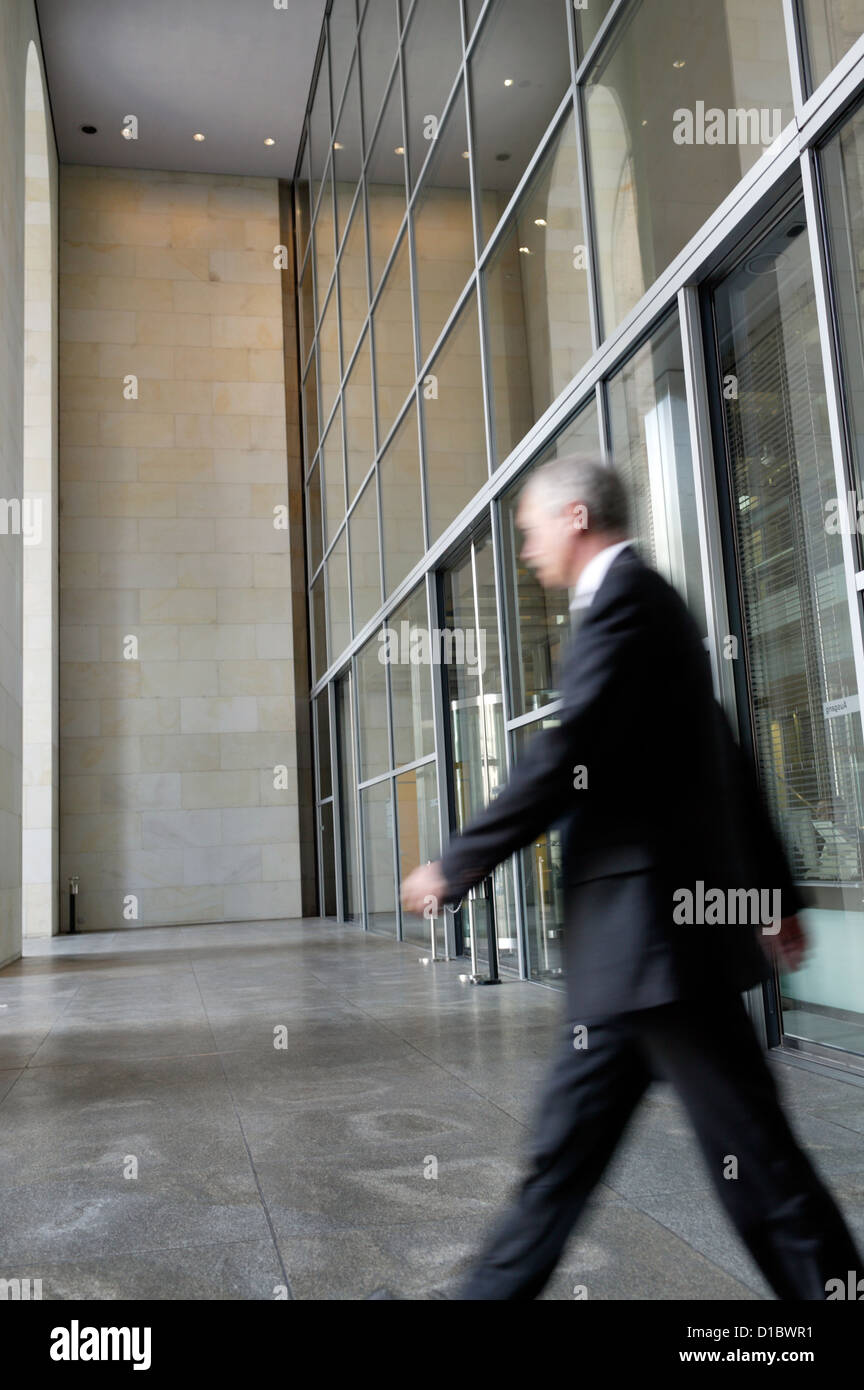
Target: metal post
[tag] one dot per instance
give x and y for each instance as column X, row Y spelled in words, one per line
column 73, row 898
column 475, row 978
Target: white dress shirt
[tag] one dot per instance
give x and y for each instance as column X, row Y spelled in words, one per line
column 593, row 575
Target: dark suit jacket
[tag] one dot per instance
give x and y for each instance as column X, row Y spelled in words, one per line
column 670, row 802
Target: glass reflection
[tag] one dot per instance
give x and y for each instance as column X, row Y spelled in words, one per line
column 537, row 300
column 419, row 841
column 651, row 449
column 444, row 229
column 677, row 110
column 519, row 74
column 455, row 423
column 393, row 323
column 410, row 668
column 432, row 53
column 385, row 185
column 401, row 503
column 538, row 619
column 365, row 556
column 359, row 435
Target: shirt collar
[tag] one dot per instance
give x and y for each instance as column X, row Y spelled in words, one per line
column 594, row 573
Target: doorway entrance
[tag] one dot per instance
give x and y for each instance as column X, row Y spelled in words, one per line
column 476, row 734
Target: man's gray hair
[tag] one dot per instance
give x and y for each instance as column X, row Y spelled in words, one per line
column 587, row 479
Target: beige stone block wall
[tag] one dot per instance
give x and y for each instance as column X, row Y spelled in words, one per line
column 179, row 750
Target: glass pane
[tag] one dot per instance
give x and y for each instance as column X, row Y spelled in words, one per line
column 323, row 236
column 651, row 450
column 543, row 906
column 338, row 600
column 673, row 125
column 347, row 153
column 443, row 230
column 372, row 709
column 310, row 409
column 354, row 298
column 832, row 28
column 394, row 342
column 431, row 56
column 378, row 39
column 322, row 716
column 329, row 358
column 357, row 399
column 342, row 36
column 520, row 72
column 842, row 162
column 319, row 628
column 320, row 128
column 804, row 694
column 473, row 683
column 410, row 658
column 348, row 797
column 314, row 519
column 401, row 503
column 537, row 296
column 456, row 463
column 472, row 14
column 385, row 185
column 302, row 206
column 419, row 842
column 538, row 619
column 365, row 557
column 376, row 808
column 307, row 312
column 328, row 859
column 589, row 15
column 333, row 478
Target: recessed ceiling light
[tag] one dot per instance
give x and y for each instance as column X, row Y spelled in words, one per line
column 524, row 251
column 337, row 145
column 270, row 141
column 199, row 136
column 508, row 81
column 539, row 221
column 400, row 149
column 88, row 129
column 679, row 63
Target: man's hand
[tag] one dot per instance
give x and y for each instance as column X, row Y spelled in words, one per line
column 788, row 947
column 424, row 887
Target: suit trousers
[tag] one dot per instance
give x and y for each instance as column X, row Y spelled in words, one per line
column 709, row 1052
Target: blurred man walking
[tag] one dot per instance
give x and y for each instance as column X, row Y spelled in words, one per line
column 669, row 858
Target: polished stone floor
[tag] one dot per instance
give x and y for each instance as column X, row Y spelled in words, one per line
column 298, row 1109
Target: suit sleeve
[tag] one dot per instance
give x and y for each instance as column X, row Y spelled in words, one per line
column 541, row 786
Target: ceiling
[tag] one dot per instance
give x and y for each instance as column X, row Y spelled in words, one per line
column 234, row 70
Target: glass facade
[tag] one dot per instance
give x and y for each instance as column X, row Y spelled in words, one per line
column 527, row 229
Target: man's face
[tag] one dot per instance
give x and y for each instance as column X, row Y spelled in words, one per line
column 550, row 542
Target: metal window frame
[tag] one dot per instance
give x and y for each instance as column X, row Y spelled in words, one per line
column 791, row 159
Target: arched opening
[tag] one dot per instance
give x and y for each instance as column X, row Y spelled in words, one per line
column 40, row 791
